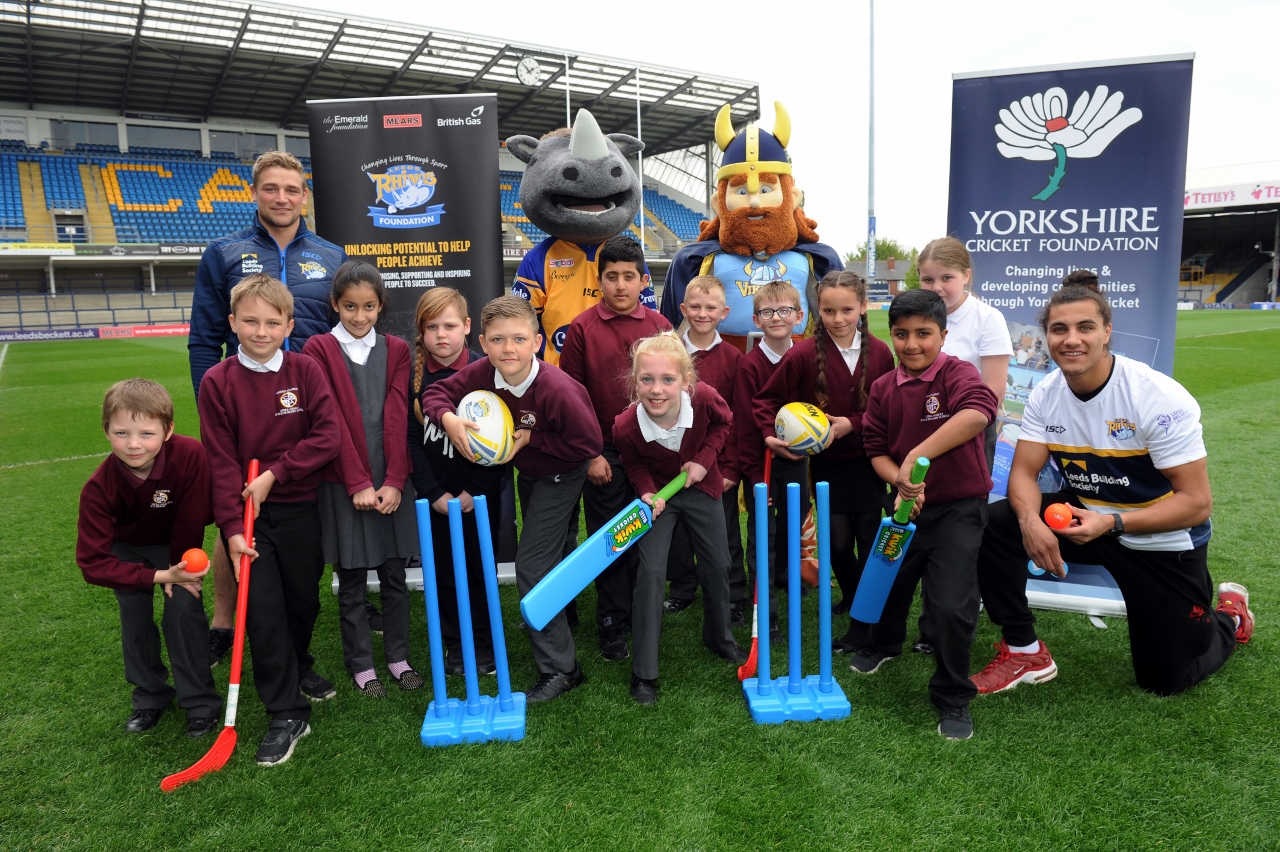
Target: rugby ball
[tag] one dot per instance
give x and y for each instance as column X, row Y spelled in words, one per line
column 803, row 427
column 493, row 443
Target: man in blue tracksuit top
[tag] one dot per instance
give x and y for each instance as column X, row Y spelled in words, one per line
column 279, row 244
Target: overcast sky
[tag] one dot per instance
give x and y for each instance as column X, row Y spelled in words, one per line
column 819, row 69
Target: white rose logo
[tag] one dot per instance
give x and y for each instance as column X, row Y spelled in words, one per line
column 1038, row 128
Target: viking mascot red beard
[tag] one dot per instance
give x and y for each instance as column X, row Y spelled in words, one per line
column 760, row 232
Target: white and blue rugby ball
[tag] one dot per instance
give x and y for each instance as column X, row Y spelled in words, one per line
column 493, row 443
column 804, row 428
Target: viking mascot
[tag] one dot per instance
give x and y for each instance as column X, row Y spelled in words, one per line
column 759, row 234
column 580, row 189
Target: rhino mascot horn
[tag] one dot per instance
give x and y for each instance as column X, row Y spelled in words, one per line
column 580, row 189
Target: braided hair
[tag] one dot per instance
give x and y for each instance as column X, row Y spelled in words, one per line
column 858, row 285
column 433, row 303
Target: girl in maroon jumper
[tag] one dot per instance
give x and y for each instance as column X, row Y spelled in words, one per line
column 675, row 425
column 834, row 370
column 366, row 516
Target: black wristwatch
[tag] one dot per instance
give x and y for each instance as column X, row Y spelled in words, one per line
column 1118, row 529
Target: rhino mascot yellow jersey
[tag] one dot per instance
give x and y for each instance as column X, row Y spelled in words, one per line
column 760, row 233
column 580, row 189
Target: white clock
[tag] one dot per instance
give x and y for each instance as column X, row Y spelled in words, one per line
column 528, row 71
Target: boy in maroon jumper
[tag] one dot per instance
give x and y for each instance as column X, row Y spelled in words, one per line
column 936, row 406
column 754, row 371
column 556, row 437
column 597, row 354
column 144, row 506
column 703, row 308
column 274, row 406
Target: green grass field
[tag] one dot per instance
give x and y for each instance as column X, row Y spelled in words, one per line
column 1085, row 762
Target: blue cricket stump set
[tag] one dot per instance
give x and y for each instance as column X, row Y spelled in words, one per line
column 794, row 698
column 478, row 718
column 481, row 718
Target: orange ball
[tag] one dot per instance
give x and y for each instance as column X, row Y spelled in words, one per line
column 1058, row 516
column 196, row 560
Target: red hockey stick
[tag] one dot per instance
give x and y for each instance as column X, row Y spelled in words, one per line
column 217, row 756
column 748, row 669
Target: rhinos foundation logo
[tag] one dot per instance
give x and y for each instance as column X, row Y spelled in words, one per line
column 1038, row 127
column 403, row 188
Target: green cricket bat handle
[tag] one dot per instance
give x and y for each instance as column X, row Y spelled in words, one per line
column 668, row 491
column 903, row 514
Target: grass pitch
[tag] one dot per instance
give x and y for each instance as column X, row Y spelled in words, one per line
column 1085, row 762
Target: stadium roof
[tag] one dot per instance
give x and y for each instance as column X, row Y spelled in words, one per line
column 186, row 59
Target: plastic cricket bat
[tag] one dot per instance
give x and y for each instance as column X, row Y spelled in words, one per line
column 748, row 669
column 886, row 557
column 563, row 582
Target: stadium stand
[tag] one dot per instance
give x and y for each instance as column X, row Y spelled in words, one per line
column 175, row 195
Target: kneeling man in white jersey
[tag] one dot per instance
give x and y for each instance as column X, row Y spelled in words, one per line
column 1127, row 439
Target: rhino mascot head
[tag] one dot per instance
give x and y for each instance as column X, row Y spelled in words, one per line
column 577, row 183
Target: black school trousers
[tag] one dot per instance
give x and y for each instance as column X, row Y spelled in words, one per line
column 942, row 559
column 615, row 584
column 681, row 571
column 284, row 601
column 186, row 635
column 1175, row 636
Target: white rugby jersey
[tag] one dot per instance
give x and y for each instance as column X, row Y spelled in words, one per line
column 1112, row 448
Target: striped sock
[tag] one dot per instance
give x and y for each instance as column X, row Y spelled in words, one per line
column 398, row 669
column 364, row 677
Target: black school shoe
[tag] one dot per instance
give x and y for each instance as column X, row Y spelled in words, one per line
column 549, row 686
column 955, row 723
column 143, row 720
column 613, row 645
column 220, row 641
column 409, row 680
column 920, row 646
column 282, row 736
column 736, row 655
column 315, row 687
column 199, row 726
column 644, row 691
column 372, row 687
column 454, row 665
column 677, row 604
column 737, row 615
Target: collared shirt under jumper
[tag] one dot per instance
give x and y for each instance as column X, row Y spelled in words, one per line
column 353, row 538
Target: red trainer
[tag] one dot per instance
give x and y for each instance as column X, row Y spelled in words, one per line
column 1008, row 669
column 1233, row 599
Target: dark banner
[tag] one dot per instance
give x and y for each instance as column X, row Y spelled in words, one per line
column 411, row 186
column 1058, row 169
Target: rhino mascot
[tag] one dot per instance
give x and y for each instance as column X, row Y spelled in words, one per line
column 580, row 189
column 760, row 233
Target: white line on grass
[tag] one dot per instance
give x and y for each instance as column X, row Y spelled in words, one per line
column 3, row 352
column 1237, row 331
column 48, row 461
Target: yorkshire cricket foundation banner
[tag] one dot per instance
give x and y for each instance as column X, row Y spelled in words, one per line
column 411, row 186
column 1073, row 167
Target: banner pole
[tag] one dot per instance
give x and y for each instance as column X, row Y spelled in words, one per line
column 568, row 119
column 640, row 158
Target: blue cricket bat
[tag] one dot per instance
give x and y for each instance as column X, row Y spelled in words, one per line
column 563, row 582
column 886, row 557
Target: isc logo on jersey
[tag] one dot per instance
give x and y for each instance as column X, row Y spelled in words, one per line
column 804, row 428
column 492, row 444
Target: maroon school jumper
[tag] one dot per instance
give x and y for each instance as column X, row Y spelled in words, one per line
column 170, row 506
column 288, row 421
column 754, row 371
column 555, row 409
column 718, row 367
column 351, row 467
column 597, row 355
column 649, row 465
column 796, row 377
column 905, row 410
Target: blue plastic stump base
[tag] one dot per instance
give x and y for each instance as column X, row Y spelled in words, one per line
column 491, row 723
column 807, row 705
